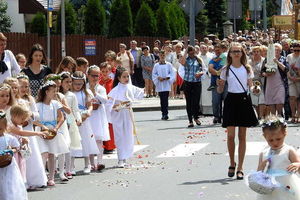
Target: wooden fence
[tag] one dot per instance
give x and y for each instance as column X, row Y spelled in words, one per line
column 75, row 45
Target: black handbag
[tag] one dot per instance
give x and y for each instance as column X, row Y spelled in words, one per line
column 247, row 97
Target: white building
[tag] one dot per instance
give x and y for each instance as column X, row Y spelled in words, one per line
column 21, row 12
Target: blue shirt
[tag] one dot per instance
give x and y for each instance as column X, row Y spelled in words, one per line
column 217, row 66
column 191, row 68
column 134, row 54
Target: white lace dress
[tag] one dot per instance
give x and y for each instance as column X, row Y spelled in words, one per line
column 12, row 186
column 290, row 183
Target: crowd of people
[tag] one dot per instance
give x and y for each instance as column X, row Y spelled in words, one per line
column 48, row 118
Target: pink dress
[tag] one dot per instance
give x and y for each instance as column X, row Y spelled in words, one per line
column 275, row 93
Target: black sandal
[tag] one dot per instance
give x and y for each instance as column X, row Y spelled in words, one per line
column 191, row 125
column 230, row 173
column 241, row 177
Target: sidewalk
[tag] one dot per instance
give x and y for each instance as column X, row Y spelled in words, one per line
column 153, row 104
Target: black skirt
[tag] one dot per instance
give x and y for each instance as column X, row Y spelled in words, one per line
column 238, row 111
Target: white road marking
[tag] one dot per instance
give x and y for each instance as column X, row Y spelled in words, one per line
column 253, row 148
column 183, row 150
column 115, row 156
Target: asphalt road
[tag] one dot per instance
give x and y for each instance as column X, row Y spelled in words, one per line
column 173, row 163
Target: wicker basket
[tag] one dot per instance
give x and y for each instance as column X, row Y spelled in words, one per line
column 5, row 160
column 50, row 134
column 95, row 106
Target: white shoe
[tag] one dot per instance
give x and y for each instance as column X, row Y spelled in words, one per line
column 63, row 177
column 87, row 170
column 121, row 164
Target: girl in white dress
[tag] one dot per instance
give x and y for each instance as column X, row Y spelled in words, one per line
column 37, row 177
column 119, row 106
column 84, row 97
column 51, row 117
column 12, row 186
column 73, row 120
column 64, row 127
column 279, row 160
column 98, row 119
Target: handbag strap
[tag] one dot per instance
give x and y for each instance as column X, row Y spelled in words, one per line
column 238, row 79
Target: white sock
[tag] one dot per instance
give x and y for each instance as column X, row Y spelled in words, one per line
column 61, row 163
column 100, row 155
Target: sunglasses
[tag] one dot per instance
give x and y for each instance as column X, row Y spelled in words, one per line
column 94, row 76
column 296, row 50
column 236, row 51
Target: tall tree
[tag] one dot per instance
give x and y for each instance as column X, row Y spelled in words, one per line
column 78, row 3
column 95, row 18
column 202, row 22
column 70, row 19
column 163, row 21
column 145, row 22
column 5, row 21
column 39, row 24
column 80, row 20
column 216, row 15
column 120, row 24
column 178, row 25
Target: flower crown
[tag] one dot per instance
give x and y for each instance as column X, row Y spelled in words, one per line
column 21, row 76
column 93, row 67
column 54, row 78
column 64, row 73
column 79, row 78
column 272, row 122
column 48, row 83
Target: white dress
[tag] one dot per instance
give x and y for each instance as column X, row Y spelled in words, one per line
column 48, row 116
column 64, row 127
column 98, row 119
column 121, row 120
column 12, row 186
column 71, row 120
column 279, row 162
column 36, row 177
column 88, row 142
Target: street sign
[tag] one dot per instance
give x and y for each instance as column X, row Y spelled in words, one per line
column 255, row 5
column 234, row 10
column 50, row 5
column 90, row 47
column 185, row 5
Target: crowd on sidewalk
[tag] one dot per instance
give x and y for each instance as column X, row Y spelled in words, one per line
column 83, row 110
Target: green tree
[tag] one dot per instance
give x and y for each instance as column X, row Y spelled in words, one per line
column 202, row 22
column 216, row 15
column 95, row 18
column 145, row 22
column 178, row 25
column 70, row 19
column 163, row 21
column 39, row 24
column 120, row 24
column 80, row 20
column 5, row 21
column 78, row 3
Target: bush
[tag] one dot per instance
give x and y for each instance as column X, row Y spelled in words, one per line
column 145, row 22
column 163, row 22
column 70, row 19
column 39, row 24
column 5, row 22
column 95, row 18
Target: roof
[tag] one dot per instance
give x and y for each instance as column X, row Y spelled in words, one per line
column 33, row 6
column 56, row 3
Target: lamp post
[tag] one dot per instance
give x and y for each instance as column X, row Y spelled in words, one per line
column 63, row 29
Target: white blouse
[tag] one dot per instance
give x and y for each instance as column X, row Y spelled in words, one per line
column 233, row 84
column 12, row 65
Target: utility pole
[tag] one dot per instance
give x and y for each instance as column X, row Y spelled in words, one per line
column 49, row 25
column 63, row 29
column 265, row 15
column 192, row 22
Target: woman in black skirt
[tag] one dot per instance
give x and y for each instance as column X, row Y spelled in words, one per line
column 238, row 110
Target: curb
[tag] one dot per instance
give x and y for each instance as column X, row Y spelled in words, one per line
column 157, row 108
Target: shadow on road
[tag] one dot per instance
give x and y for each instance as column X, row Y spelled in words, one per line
column 224, row 181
